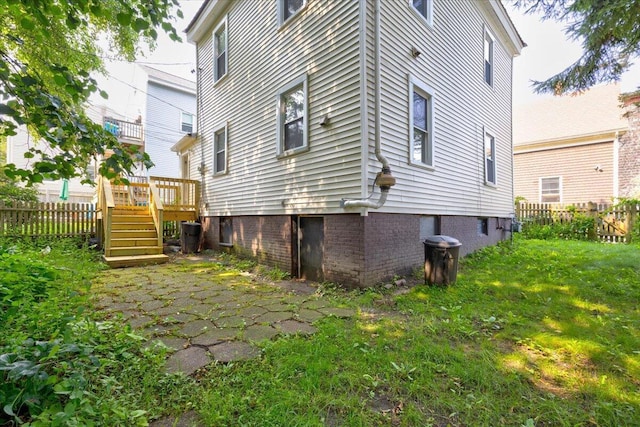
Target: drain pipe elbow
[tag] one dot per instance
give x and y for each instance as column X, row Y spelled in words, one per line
column 367, row 203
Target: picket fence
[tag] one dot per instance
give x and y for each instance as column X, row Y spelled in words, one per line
column 61, row 219
column 47, row 219
column 613, row 223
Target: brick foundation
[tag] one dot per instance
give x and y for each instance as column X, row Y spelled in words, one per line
column 359, row 251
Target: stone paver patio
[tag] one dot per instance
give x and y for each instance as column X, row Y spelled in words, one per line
column 205, row 311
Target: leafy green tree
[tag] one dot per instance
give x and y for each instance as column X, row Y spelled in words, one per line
column 610, row 35
column 48, row 51
column 11, row 192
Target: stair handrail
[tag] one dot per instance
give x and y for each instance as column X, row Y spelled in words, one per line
column 157, row 210
column 107, row 206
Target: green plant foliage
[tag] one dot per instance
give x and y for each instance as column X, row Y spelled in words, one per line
column 58, row 365
column 11, row 192
column 47, row 51
column 580, row 228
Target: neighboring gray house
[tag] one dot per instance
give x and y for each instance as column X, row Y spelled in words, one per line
column 170, row 114
column 309, row 109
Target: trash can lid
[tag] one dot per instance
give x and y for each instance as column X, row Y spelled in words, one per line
column 442, row 241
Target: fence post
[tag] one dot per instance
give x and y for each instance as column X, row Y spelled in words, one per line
column 629, row 220
column 592, row 211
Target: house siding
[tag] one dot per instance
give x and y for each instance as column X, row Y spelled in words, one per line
column 451, row 62
column 629, row 154
column 162, row 127
column 576, row 165
column 335, row 45
column 322, row 41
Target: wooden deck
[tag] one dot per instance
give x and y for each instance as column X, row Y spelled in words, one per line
column 131, row 217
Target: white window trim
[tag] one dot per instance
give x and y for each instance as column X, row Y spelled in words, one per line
column 429, row 18
column 217, row 129
column 280, row 151
column 485, row 132
column 487, row 34
column 193, row 121
column 559, row 189
column 223, row 23
column 281, row 21
column 430, row 94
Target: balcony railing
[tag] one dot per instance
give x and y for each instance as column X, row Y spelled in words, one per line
column 123, row 130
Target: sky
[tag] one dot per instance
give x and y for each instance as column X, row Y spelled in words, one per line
column 548, row 51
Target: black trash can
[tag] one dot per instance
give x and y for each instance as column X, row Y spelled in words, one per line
column 190, row 237
column 441, row 260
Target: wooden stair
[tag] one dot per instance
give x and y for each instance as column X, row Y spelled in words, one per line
column 134, row 239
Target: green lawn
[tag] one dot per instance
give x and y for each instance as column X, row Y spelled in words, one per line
column 538, row 333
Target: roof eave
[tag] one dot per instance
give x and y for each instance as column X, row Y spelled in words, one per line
column 204, row 19
column 517, row 44
column 185, row 142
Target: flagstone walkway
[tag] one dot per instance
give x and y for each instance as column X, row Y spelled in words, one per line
column 205, row 311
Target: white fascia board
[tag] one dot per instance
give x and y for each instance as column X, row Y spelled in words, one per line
column 204, row 20
column 516, row 43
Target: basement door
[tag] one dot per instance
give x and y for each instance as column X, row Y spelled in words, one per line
column 311, row 247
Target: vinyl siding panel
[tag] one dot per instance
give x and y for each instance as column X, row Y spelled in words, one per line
column 322, row 41
column 163, row 127
column 580, row 182
column 451, row 62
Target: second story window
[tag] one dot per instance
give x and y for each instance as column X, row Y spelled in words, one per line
column 220, row 47
column 421, row 124
column 186, row 122
column 424, row 8
column 488, row 57
column 490, row 159
column 220, row 150
column 288, row 8
column 292, row 126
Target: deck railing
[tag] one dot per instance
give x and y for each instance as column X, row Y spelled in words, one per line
column 123, row 129
column 178, row 194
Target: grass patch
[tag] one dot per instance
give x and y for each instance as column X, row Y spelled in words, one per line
column 537, row 333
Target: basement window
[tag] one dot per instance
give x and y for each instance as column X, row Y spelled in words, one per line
column 483, row 226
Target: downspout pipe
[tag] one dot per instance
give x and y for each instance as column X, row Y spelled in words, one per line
column 384, row 179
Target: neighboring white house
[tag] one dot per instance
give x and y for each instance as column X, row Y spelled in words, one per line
column 169, row 105
column 302, row 102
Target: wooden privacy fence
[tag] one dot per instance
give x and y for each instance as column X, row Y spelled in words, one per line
column 612, row 223
column 47, row 219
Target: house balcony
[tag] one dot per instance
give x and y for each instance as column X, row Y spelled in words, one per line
column 130, row 133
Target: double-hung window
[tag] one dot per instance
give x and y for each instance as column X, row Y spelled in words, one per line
column 550, row 189
column 288, row 8
column 292, row 121
column 186, row 122
column 220, row 50
column 489, row 159
column 421, row 123
column 488, row 57
column 220, row 150
column 424, row 9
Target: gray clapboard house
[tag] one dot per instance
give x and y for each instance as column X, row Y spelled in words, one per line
column 334, row 136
